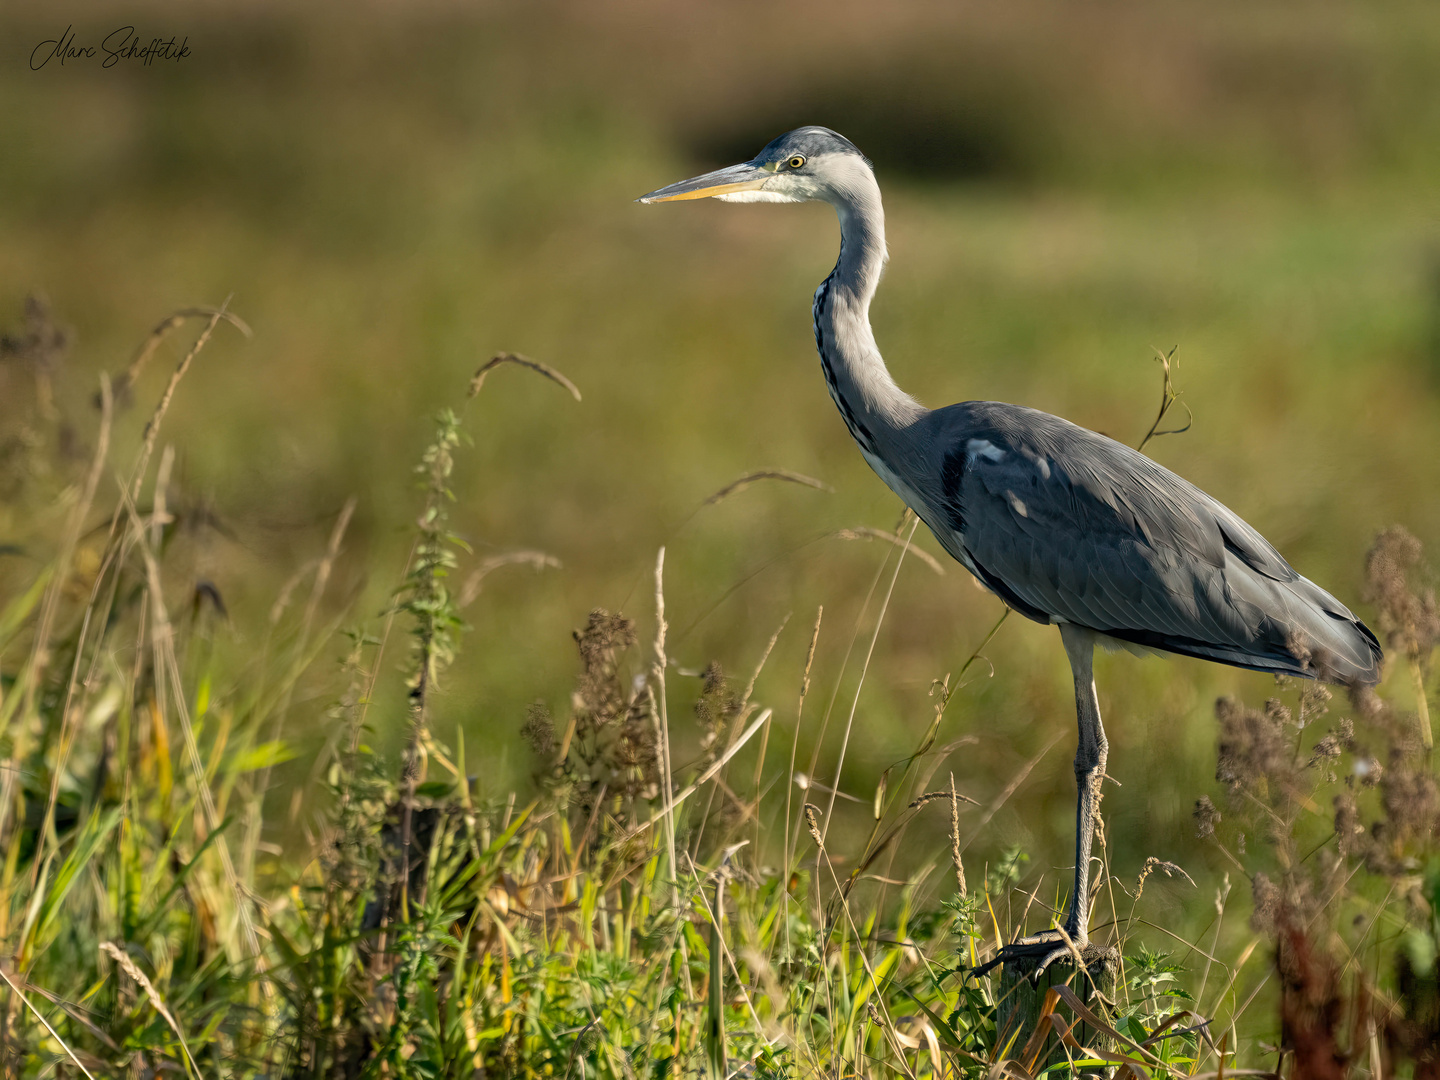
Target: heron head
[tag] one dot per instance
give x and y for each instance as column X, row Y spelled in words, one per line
column 807, row 164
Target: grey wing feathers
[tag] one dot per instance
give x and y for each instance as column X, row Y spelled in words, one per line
column 1067, row 525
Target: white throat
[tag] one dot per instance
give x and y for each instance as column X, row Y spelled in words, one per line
column 874, row 408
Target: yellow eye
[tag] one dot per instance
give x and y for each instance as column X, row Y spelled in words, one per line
column 796, row 161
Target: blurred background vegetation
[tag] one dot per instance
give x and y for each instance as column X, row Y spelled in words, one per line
column 390, row 194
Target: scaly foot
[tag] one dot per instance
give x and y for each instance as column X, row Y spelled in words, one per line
column 1040, row 950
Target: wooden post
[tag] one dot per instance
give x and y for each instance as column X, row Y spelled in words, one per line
column 1020, row 999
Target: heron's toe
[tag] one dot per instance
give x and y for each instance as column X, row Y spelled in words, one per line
column 1036, row 952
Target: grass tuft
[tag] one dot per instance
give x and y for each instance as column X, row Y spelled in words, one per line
column 187, row 887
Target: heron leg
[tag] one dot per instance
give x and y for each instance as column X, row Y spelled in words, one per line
column 1041, row 950
column 1090, row 757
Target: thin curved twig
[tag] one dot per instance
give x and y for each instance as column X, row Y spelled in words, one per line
column 869, row 532
column 1168, row 397
column 745, row 481
column 147, row 348
column 478, row 380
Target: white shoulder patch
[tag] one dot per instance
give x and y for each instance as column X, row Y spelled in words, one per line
column 983, row 448
column 1041, row 463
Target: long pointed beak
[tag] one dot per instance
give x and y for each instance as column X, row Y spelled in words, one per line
column 745, row 177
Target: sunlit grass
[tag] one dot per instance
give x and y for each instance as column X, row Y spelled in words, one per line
column 662, row 904
column 387, row 227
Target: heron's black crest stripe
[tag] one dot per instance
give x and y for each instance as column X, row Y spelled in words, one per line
column 858, row 431
column 810, row 141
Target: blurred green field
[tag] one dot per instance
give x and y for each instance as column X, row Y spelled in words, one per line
column 390, row 197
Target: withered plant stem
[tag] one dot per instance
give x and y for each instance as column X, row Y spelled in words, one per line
column 1422, row 706
column 864, row 670
column 152, row 428
column 662, row 728
column 955, row 839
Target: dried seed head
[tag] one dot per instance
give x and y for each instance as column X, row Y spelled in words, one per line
column 1314, row 702
column 599, row 697
column 634, row 757
column 1349, row 832
column 1327, row 750
column 1206, row 817
column 1368, row 770
column 1288, row 902
column 1253, row 746
column 812, row 820
column 1370, row 705
column 539, row 730
column 1152, row 864
column 1278, row 711
column 715, row 708
column 1267, row 902
column 1297, row 644
column 1409, row 615
column 42, row 344
column 610, row 747
column 1411, row 800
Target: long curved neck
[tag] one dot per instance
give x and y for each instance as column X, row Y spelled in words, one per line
column 873, row 406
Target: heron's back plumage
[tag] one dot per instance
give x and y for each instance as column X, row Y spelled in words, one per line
column 1067, row 525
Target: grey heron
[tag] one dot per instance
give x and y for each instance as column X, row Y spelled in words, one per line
column 1066, row 526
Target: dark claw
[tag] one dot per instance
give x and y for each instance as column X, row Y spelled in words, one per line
column 1057, row 953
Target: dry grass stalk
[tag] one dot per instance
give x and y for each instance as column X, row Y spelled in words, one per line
column 1151, row 865
column 819, row 745
column 884, row 1020
column 327, row 564
column 662, row 726
column 737, row 486
column 700, row 781
column 68, row 541
column 867, row 532
column 121, row 957
column 323, row 569
column 478, row 380
column 792, row 837
column 126, row 382
column 167, row 669
column 936, row 796
column 471, row 588
column 765, row 738
column 152, row 427
column 739, row 711
column 865, row 667
column 39, row 654
column 70, row 538
column 45, row 1023
column 716, row 917
column 955, row 839
column 286, row 593
column 1009, row 790
column 812, row 822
